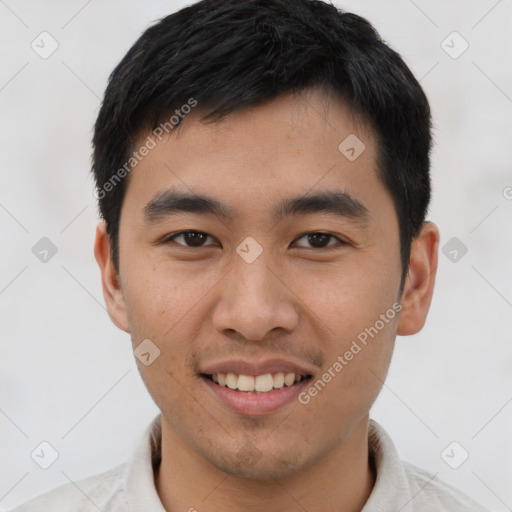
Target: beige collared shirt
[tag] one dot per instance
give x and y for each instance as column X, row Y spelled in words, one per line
column 399, row 486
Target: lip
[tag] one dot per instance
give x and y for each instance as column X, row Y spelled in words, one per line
column 250, row 404
column 255, row 404
column 240, row 366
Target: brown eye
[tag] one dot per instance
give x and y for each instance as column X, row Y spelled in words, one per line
column 319, row 240
column 190, row 238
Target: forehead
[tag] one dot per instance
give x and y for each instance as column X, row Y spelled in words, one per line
column 292, row 145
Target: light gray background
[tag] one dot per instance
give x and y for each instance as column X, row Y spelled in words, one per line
column 68, row 375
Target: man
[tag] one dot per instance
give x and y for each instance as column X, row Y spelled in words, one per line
column 262, row 170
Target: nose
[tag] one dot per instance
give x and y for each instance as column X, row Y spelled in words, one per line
column 254, row 302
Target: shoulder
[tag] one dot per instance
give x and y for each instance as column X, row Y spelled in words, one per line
column 403, row 486
column 104, row 491
column 430, row 493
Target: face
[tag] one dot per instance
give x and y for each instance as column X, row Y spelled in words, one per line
column 289, row 257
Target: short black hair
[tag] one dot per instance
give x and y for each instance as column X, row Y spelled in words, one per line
column 226, row 55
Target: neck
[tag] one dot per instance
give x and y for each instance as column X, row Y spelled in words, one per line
column 340, row 480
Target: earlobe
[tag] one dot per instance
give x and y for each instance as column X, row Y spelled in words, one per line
column 112, row 291
column 419, row 283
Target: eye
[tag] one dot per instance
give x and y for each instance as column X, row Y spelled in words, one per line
column 197, row 239
column 320, row 240
column 190, row 238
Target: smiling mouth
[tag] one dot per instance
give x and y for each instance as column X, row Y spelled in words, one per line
column 257, row 384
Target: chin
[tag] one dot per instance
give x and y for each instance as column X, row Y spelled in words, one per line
column 264, row 469
column 254, row 463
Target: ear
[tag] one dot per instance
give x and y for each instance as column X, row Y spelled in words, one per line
column 112, row 291
column 419, row 282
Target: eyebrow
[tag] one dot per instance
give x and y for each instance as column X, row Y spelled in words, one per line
column 337, row 202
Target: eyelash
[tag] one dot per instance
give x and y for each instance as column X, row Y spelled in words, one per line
column 331, row 236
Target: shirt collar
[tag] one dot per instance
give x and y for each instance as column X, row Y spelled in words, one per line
column 139, row 480
column 391, row 490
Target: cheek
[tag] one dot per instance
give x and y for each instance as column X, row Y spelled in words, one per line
column 163, row 305
column 347, row 297
column 357, row 311
column 159, row 296
column 351, row 378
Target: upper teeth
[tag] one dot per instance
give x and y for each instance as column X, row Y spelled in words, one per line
column 259, row 383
